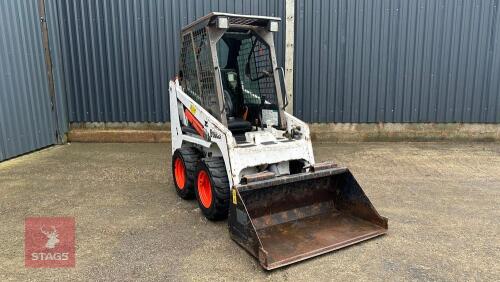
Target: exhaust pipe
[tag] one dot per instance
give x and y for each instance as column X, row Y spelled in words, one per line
column 292, row 218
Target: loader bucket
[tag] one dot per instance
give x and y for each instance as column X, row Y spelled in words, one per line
column 292, row 218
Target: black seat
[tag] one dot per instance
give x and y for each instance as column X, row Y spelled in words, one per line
column 238, row 125
column 235, row 124
column 234, row 106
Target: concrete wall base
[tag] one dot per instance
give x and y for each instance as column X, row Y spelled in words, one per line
column 118, row 136
column 338, row 132
column 347, row 132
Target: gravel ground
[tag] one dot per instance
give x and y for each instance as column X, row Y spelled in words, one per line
column 442, row 201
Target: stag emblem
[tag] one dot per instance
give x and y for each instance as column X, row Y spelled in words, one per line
column 52, row 237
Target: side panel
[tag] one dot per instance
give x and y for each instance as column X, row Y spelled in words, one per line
column 216, row 134
column 26, row 118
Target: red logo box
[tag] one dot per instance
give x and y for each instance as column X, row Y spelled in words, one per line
column 49, row 242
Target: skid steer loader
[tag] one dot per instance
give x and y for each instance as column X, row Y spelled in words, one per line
column 242, row 156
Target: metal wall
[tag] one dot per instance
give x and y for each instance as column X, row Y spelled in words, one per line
column 118, row 56
column 54, row 26
column 26, row 119
column 397, row 60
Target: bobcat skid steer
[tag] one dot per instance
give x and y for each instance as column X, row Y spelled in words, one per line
column 242, row 156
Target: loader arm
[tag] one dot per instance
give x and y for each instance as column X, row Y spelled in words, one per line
column 217, row 138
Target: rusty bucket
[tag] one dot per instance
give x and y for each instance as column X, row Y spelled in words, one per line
column 292, row 218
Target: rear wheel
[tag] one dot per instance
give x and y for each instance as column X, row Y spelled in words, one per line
column 212, row 188
column 184, row 163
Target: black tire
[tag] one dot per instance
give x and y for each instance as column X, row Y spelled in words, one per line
column 219, row 184
column 189, row 157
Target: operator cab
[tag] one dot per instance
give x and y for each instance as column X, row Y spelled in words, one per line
column 250, row 98
column 239, row 83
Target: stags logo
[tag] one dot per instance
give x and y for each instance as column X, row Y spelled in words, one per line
column 51, row 236
column 49, row 242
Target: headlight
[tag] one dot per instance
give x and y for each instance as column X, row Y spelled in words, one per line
column 273, row 26
column 222, row 23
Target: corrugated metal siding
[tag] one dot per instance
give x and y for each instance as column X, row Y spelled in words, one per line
column 55, row 44
column 26, row 121
column 397, row 61
column 118, row 56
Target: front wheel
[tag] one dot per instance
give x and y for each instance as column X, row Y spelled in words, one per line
column 212, row 188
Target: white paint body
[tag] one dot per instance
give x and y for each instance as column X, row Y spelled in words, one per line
column 262, row 149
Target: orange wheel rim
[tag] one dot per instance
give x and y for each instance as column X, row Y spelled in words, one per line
column 180, row 173
column 204, row 189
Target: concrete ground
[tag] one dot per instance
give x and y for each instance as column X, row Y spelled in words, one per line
column 442, row 201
